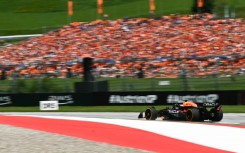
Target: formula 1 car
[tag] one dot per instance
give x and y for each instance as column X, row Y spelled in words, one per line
column 188, row 111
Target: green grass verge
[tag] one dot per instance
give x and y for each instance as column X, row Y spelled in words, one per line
column 226, row 109
column 40, row 16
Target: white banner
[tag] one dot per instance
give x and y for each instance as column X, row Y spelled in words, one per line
column 49, row 105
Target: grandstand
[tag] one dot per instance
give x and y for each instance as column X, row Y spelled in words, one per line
column 169, row 46
column 197, row 44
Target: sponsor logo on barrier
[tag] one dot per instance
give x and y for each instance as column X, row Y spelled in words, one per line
column 132, row 99
column 5, row 100
column 49, row 105
column 63, row 100
column 210, row 98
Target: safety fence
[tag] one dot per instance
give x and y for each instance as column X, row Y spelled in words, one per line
column 66, row 85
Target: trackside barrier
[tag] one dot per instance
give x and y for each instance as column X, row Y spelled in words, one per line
column 124, row 98
column 165, row 98
column 34, row 99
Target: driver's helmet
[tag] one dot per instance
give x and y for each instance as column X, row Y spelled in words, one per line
column 176, row 106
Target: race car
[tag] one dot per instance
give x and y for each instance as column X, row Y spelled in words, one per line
column 187, row 111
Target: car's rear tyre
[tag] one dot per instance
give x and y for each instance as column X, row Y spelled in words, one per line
column 193, row 114
column 150, row 113
column 216, row 115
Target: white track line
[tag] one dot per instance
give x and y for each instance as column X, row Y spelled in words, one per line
column 220, row 137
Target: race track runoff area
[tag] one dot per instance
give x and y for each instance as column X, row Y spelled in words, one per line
column 155, row 136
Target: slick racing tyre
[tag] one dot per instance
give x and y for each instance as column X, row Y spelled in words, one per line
column 216, row 115
column 150, row 113
column 192, row 114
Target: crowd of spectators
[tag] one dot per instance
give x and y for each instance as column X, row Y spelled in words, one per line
column 197, row 45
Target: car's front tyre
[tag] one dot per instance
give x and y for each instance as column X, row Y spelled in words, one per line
column 151, row 113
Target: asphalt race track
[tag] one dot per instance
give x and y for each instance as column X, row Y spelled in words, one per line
column 114, row 129
column 229, row 118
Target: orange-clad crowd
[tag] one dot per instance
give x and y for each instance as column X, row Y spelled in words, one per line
column 198, row 45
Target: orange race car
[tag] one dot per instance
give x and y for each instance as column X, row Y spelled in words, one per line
column 187, row 111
